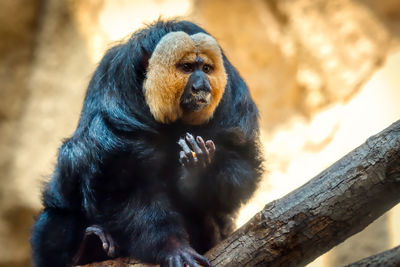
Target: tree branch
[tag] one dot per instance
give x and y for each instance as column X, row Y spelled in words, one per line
column 337, row 203
column 387, row 258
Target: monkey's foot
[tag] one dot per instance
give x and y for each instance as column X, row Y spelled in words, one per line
column 195, row 152
column 106, row 239
column 185, row 257
column 90, row 249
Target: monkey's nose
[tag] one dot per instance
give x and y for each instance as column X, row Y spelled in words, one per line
column 200, row 87
column 196, row 88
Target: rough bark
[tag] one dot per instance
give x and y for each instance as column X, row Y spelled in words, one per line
column 337, row 203
column 387, row 258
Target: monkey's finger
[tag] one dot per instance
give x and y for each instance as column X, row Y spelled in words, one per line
column 170, row 262
column 186, row 149
column 204, row 150
column 190, row 158
column 211, row 146
column 182, row 158
column 202, row 260
column 193, row 144
column 202, row 145
column 177, row 262
column 110, row 246
column 199, row 258
column 189, row 260
column 111, row 251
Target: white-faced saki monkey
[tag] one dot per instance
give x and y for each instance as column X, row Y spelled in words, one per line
column 166, row 151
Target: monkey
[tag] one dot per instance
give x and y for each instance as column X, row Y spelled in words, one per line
column 165, row 152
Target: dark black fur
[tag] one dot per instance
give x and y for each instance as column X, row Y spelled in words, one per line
column 120, row 169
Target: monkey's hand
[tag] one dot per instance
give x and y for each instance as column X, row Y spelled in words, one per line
column 185, row 257
column 195, row 153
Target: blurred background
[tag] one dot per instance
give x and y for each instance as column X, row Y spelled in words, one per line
column 325, row 76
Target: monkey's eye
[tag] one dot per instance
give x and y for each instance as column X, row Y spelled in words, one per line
column 187, row 67
column 207, row 68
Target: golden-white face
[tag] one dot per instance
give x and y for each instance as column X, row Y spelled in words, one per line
column 165, row 82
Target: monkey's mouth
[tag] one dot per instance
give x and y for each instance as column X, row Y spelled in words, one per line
column 201, row 102
column 195, row 103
